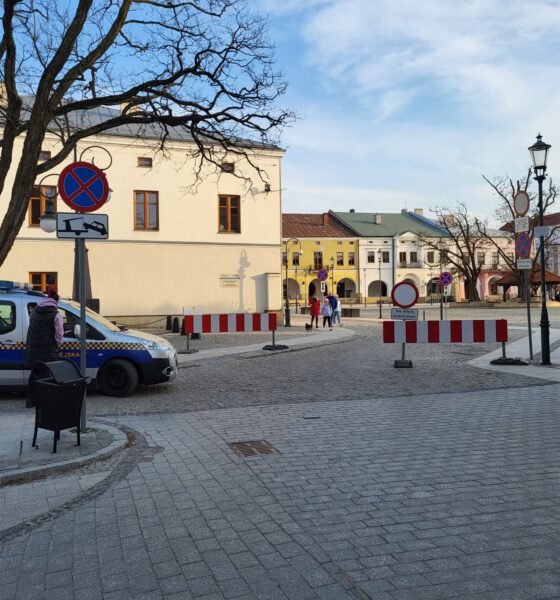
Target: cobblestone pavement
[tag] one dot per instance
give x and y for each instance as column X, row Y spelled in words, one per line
column 439, row 481
column 396, row 498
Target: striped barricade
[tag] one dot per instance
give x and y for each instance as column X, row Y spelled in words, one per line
column 231, row 323
column 445, row 332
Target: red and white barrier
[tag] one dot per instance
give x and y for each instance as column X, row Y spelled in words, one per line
column 445, row 332
column 229, row 323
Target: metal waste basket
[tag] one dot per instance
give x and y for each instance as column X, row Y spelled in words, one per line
column 58, row 390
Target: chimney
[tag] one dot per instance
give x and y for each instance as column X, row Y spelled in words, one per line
column 404, row 211
column 419, row 211
column 325, row 218
column 377, row 219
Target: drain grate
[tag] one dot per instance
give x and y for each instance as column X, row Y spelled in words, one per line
column 252, row 448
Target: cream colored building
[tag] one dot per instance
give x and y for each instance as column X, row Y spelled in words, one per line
column 212, row 245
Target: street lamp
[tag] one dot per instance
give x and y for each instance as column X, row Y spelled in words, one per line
column 365, row 287
column 332, row 276
column 539, row 154
column 287, row 322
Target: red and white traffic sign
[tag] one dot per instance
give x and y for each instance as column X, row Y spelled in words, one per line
column 404, row 294
column 446, row 278
column 521, row 203
column 83, row 187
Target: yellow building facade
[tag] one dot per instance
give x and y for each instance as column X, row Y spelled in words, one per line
column 316, row 242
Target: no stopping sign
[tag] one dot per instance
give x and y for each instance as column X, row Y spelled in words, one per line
column 404, row 294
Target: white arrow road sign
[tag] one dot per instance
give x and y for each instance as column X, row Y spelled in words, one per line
column 85, row 226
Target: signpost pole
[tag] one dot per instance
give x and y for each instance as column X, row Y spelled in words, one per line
column 528, row 301
column 81, row 248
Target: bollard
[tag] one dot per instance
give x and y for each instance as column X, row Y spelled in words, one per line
column 168, row 323
column 175, row 328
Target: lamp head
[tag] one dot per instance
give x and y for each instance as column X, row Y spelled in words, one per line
column 539, row 154
column 48, row 221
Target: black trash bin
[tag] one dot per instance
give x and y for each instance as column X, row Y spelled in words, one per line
column 58, row 389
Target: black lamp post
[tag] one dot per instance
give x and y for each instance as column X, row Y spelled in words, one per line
column 539, row 154
column 287, row 322
column 332, row 275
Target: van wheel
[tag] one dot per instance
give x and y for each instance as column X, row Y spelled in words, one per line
column 118, row 377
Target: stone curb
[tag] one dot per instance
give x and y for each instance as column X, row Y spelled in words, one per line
column 120, row 439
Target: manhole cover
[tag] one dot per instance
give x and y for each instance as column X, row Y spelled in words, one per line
column 252, row 448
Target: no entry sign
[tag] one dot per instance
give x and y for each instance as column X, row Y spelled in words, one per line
column 404, row 294
column 83, row 187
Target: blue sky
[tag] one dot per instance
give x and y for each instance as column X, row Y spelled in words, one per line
column 406, row 104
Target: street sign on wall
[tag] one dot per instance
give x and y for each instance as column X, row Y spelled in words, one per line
column 83, row 187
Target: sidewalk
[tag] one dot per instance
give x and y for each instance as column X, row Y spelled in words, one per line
column 308, row 338
column 520, row 349
column 19, row 460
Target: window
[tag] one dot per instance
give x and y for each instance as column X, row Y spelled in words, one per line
column 317, row 260
column 69, row 322
column 431, row 257
column 385, row 257
column 284, row 258
column 41, row 281
column 340, row 259
column 443, row 257
column 7, row 316
column 495, row 258
column 371, row 256
column 351, row 258
column 227, row 167
column 44, row 155
column 229, row 220
column 402, row 258
column 146, row 211
column 480, row 258
column 145, row 162
column 38, row 201
column 295, row 259
column 414, row 257
column 509, row 256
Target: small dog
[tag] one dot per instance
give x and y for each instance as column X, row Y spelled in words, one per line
column 308, row 327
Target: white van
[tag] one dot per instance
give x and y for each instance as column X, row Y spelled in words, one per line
column 118, row 360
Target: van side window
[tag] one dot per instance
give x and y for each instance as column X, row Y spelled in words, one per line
column 70, row 320
column 7, row 317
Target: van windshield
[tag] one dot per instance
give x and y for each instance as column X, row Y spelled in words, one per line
column 95, row 317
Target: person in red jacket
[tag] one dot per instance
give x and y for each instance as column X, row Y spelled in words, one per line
column 315, row 311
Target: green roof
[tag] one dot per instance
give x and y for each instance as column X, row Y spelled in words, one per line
column 364, row 225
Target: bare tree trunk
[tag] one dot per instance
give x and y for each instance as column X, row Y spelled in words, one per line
column 471, row 290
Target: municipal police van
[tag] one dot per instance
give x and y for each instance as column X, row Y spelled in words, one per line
column 118, row 360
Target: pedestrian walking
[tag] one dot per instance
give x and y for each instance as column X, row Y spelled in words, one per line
column 337, row 312
column 332, row 301
column 44, row 335
column 326, row 311
column 314, row 311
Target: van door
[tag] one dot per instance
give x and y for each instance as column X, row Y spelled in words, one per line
column 12, row 346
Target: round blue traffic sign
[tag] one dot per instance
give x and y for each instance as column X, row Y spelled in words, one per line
column 446, row 278
column 322, row 275
column 83, row 187
column 523, row 245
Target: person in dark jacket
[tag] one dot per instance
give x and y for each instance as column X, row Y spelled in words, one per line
column 45, row 332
